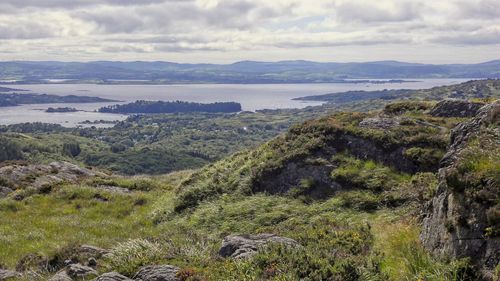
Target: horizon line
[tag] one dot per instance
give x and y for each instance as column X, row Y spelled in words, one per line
column 242, row 61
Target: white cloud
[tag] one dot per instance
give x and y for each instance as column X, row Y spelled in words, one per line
column 228, row 30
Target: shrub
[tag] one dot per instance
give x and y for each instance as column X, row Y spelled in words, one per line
column 427, row 158
column 360, row 200
column 9, row 150
column 72, row 149
column 398, row 108
column 126, row 258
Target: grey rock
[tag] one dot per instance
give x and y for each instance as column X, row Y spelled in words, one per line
column 157, row 273
column 245, row 246
column 456, row 108
column 112, row 276
column 291, row 175
column 5, row 191
column 8, row 274
column 380, row 123
column 61, row 276
column 38, row 176
column 92, row 251
column 80, row 271
column 454, row 223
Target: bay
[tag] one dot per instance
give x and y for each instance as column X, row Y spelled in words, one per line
column 251, row 96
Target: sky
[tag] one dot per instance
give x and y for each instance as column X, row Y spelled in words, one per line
column 225, row 31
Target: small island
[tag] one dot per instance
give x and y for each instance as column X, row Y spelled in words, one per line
column 29, row 98
column 142, row 106
column 96, row 122
column 5, row 90
column 61, row 110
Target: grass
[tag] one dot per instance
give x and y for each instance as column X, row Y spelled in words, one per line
column 338, row 240
column 78, row 214
column 405, row 259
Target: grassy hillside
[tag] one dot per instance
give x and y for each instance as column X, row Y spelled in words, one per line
column 348, row 188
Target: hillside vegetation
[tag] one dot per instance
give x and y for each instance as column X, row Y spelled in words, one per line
column 349, row 189
column 162, row 143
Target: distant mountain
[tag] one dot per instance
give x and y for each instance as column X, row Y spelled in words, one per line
column 240, row 72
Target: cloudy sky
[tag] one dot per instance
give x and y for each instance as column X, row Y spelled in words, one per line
column 223, row 31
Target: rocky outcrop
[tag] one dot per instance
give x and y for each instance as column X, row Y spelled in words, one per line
column 76, row 271
column 245, row 246
column 112, row 276
column 379, row 123
column 462, row 219
column 8, row 274
column 89, row 251
column 456, row 108
column 157, row 273
column 40, row 178
column 291, row 175
column 40, row 175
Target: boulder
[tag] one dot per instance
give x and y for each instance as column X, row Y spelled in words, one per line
column 8, row 274
column 112, row 276
column 61, row 276
column 456, row 108
column 80, row 271
column 245, row 246
column 90, row 251
column 5, row 191
column 380, row 123
column 157, row 273
column 460, row 221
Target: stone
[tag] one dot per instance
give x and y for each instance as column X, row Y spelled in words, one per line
column 5, row 191
column 245, row 246
column 157, row 273
column 455, row 108
column 61, row 276
column 379, row 123
column 8, row 274
column 80, row 271
column 112, row 276
column 90, row 251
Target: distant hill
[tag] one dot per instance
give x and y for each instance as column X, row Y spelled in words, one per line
column 476, row 89
column 240, row 72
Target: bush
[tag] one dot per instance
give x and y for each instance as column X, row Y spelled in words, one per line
column 9, row 150
column 398, row 108
column 428, row 158
column 72, row 149
column 126, row 258
column 360, row 200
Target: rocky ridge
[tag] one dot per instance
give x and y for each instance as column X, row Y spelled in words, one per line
column 462, row 218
